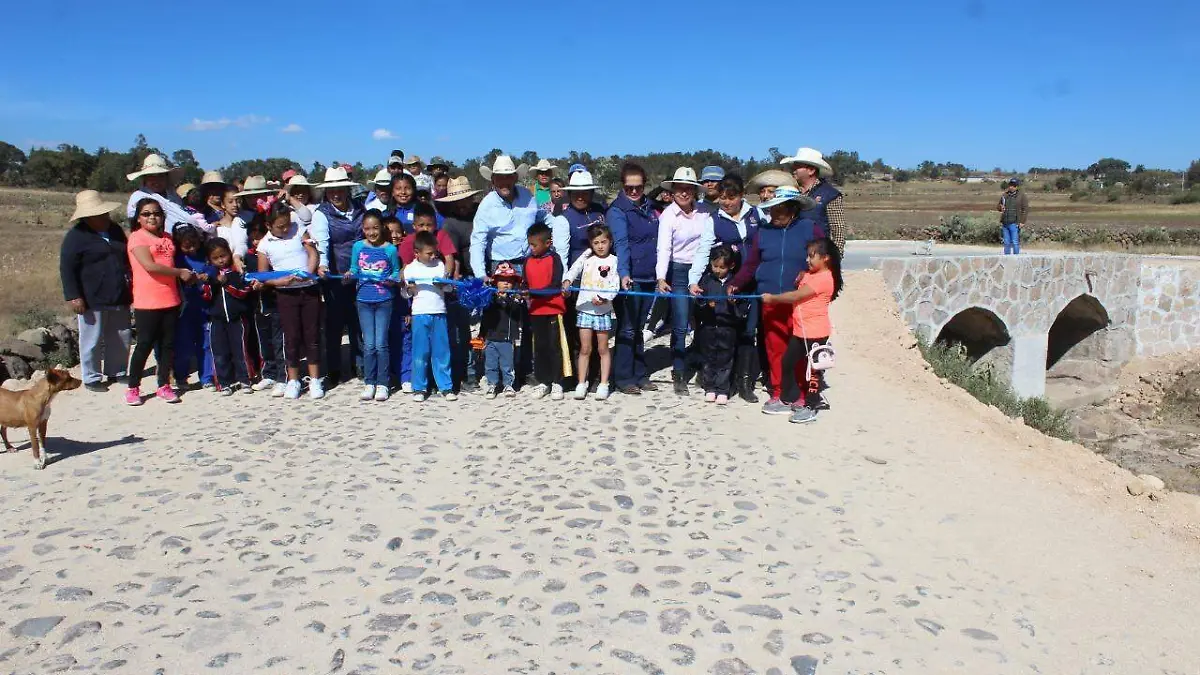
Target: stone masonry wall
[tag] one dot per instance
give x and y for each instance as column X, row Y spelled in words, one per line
column 1168, row 308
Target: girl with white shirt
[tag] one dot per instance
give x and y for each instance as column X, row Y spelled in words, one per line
column 287, row 248
column 679, row 230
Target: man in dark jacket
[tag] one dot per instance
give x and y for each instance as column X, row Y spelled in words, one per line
column 94, row 267
column 1013, row 208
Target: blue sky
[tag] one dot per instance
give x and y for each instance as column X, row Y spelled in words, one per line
column 985, row 83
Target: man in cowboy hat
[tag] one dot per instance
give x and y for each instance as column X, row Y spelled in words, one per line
column 155, row 179
column 503, row 220
column 543, row 173
column 416, row 169
column 811, row 170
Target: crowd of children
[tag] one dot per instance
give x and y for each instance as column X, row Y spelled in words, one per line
column 255, row 294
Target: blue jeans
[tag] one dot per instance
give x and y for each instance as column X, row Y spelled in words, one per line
column 681, row 315
column 431, row 346
column 1011, row 234
column 341, row 317
column 192, row 345
column 629, row 359
column 499, row 359
column 400, row 338
column 375, row 319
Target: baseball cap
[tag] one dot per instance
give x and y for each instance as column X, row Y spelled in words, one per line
column 1013, row 181
column 576, row 167
column 396, row 158
column 712, row 173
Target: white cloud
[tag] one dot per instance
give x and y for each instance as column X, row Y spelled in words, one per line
column 243, row 122
column 292, row 128
column 382, row 134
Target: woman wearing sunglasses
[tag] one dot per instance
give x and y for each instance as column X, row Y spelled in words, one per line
column 156, row 297
column 634, row 225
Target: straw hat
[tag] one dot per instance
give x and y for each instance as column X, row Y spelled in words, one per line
column 809, row 157
column 684, row 174
column 503, row 166
column 772, row 178
column 184, row 189
column 412, row 160
column 456, row 189
column 336, row 177
column 786, row 193
column 154, row 165
column 89, row 203
column 298, row 180
column 254, row 185
column 542, row 166
column 382, row 177
column 438, row 162
column 581, row 180
column 211, row 178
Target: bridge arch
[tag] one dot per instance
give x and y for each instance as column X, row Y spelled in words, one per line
column 1073, row 333
column 978, row 329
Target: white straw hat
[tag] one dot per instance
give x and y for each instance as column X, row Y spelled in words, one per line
column 685, row 175
column 89, row 203
column 581, row 180
column 382, row 177
column 254, row 185
column 155, row 165
column 810, row 157
column 543, row 165
column 335, row 177
column 503, row 166
column 212, row 177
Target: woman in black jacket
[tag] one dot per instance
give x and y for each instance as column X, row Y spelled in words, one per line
column 94, row 267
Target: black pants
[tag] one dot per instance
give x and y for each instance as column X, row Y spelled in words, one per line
column 155, row 332
column 796, row 358
column 230, row 353
column 270, row 345
column 718, row 346
column 300, row 316
column 547, row 348
column 341, row 317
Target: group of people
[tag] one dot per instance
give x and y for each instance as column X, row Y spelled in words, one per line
column 253, row 286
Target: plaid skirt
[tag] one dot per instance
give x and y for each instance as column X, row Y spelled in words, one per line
column 598, row 322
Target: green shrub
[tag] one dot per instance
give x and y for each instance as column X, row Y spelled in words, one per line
column 1190, row 197
column 1113, row 194
column 1080, row 195
column 952, row 363
column 33, row 317
column 1063, row 183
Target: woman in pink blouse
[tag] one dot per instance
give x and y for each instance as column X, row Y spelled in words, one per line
column 679, row 230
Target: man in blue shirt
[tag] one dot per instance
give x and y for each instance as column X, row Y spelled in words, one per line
column 503, row 220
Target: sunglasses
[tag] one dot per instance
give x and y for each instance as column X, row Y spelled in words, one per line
column 151, row 214
column 634, row 188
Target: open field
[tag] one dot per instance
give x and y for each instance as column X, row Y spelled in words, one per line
column 32, row 224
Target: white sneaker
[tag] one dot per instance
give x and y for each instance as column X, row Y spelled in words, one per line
column 292, row 389
column 491, row 392
column 381, row 392
column 581, row 391
column 316, row 388
column 539, row 390
column 602, row 391
column 246, row 388
column 225, row 391
column 368, row 393
column 450, row 396
column 265, row 384
column 419, row 397
column 278, row 390
column 556, row 392
column 406, row 387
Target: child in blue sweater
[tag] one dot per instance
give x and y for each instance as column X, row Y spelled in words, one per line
column 375, row 265
column 191, row 332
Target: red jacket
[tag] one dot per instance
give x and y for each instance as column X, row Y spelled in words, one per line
column 545, row 273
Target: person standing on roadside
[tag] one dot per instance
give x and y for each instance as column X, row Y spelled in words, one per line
column 1013, row 208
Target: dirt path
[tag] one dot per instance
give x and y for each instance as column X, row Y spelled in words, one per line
column 909, row 530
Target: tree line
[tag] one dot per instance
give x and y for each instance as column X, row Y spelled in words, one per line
column 70, row 166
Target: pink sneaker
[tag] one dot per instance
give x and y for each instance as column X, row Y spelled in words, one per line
column 722, row 399
column 709, row 397
column 166, row 394
column 133, row 396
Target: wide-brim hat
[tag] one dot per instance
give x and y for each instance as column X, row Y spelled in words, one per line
column 581, row 180
column 212, row 178
column 412, row 159
column 184, row 189
column 154, row 165
column 543, row 165
column 771, row 178
column 382, row 177
column 336, row 177
column 89, row 203
column 438, row 162
column 458, row 189
column 809, row 157
column 254, row 185
column 685, row 175
column 787, row 193
column 299, row 181
column 503, row 166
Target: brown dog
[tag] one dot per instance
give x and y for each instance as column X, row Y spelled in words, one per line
column 31, row 409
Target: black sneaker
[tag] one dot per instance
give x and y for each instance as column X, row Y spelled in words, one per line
column 681, row 388
column 97, row 387
column 491, row 392
column 630, row 390
column 647, row 386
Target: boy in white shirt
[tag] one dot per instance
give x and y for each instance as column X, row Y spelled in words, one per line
column 430, row 338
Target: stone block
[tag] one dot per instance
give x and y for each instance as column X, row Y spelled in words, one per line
column 21, row 348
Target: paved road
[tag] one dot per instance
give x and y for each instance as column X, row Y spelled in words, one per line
column 861, row 254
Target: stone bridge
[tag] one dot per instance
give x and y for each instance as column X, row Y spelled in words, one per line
column 1069, row 317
